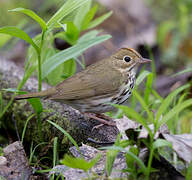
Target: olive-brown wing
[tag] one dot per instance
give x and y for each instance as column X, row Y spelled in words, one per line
column 93, row 81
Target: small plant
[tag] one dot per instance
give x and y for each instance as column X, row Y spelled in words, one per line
column 53, row 65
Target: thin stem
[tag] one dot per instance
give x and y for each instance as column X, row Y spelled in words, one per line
column 7, row 107
column 39, row 73
column 83, row 61
column 150, row 157
column 39, row 62
column 39, row 127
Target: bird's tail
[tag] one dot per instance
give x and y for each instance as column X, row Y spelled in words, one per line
column 41, row 94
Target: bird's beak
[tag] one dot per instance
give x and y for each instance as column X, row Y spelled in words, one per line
column 144, row 60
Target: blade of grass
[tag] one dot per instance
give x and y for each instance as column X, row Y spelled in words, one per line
column 66, row 134
column 178, row 108
column 59, row 58
column 25, row 127
column 141, row 77
column 167, row 101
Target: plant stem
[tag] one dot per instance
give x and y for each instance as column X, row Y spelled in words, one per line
column 150, row 157
column 39, row 73
column 39, row 62
column 39, row 127
column 7, row 107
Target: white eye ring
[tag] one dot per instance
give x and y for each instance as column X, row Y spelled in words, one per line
column 127, row 58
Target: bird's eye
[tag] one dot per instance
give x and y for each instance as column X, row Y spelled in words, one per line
column 127, row 59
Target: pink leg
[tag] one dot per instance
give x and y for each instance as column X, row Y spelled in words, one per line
column 101, row 119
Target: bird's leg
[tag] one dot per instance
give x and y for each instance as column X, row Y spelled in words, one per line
column 102, row 118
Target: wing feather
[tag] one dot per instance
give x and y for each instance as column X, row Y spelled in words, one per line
column 93, row 81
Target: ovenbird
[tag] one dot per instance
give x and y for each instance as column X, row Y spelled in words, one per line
column 110, row 80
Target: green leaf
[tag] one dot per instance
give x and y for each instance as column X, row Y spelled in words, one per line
column 99, row 20
column 161, row 143
column 167, row 101
column 51, row 63
column 88, row 17
column 69, row 68
column 4, row 39
column 36, row 104
column 88, row 36
column 177, row 109
column 80, row 163
column 80, row 15
column 72, row 33
column 66, row 9
column 16, row 32
column 33, row 15
column 142, row 76
column 66, row 134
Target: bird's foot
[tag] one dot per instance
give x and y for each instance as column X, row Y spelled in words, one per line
column 105, row 120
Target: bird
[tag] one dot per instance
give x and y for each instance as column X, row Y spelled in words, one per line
column 94, row 89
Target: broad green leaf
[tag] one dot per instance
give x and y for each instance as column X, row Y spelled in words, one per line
column 66, row 9
column 80, row 15
column 80, row 163
column 142, row 76
column 161, row 143
column 33, row 15
column 176, row 109
column 72, row 33
column 66, row 134
column 88, row 17
column 16, row 32
column 88, row 36
column 99, row 20
column 69, row 68
column 168, row 100
column 51, row 63
column 36, row 104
